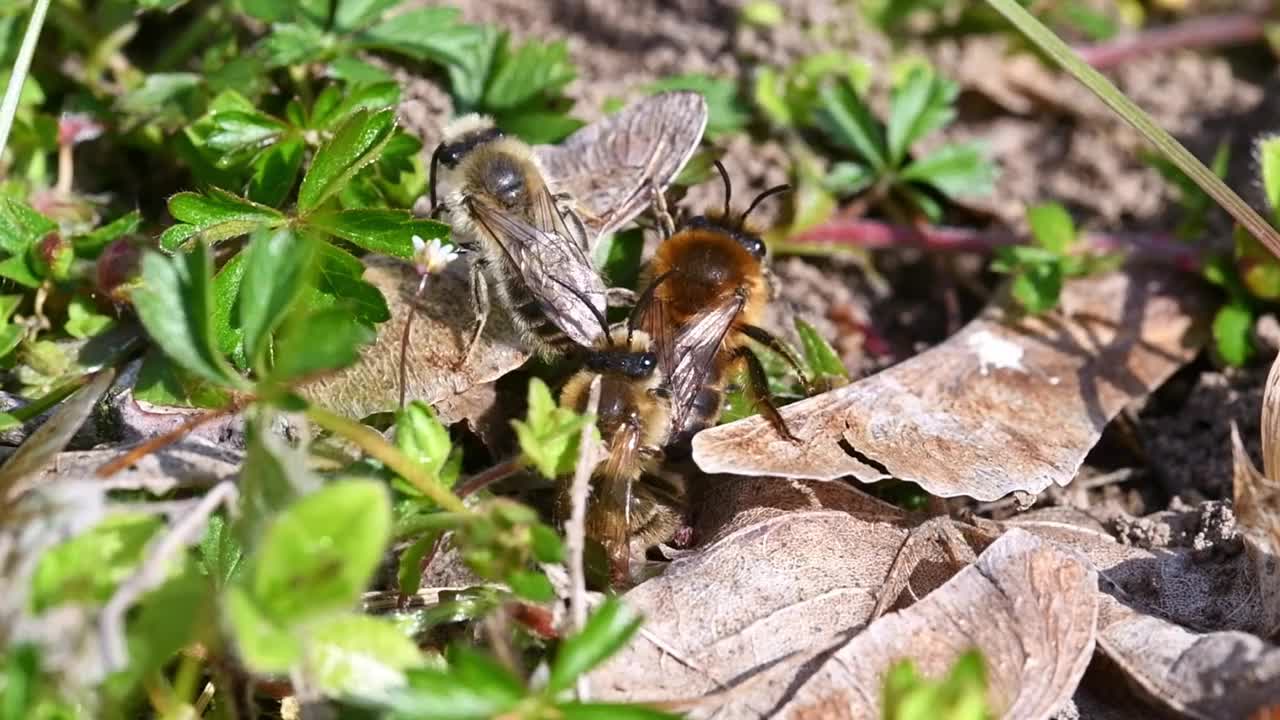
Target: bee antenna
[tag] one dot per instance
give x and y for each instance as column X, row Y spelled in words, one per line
column 435, row 163
column 759, row 198
column 728, row 187
column 604, row 323
column 642, row 303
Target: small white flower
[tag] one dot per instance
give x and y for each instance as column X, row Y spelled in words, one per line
column 432, row 257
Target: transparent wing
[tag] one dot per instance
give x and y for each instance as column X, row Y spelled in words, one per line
column 540, row 255
column 693, row 354
column 609, row 166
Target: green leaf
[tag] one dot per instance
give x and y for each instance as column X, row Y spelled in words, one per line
column 320, row 553
column 621, row 257
column 83, row 321
column 378, row 96
column 1259, row 270
column 233, row 132
column 960, row 170
column 228, row 333
column 91, row 243
column 1268, row 154
column 358, row 72
column 273, row 478
column 21, row 226
column 475, row 669
column 294, row 44
column 1232, row 333
column 607, row 630
column 355, row 144
column 220, row 551
column 726, row 110
column 10, row 337
column 438, row 695
column 275, row 171
column 610, row 711
column 549, row 435
column 275, row 273
column 161, row 382
column 166, row 620
column 409, row 567
column 351, row 654
column 355, row 14
column 9, row 304
column 213, row 217
column 1037, row 287
column 547, row 547
column 264, row 643
column 920, row 105
column 174, row 303
column 763, row 13
column 961, row 695
column 389, row 232
column 325, row 340
column 849, row 122
column 1052, row 227
column 848, row 178
column 161, row 94
column 531, row 585
column 18, row 269
column 339, row 281
column 533, row 70
column 425, row 441
column 819, row 356
column 88, row 567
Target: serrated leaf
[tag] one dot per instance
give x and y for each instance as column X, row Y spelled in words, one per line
column 227, row 332
column 355, row 144
column 425, row 441
column 607, row 630
column 960, row 170
column 548, row 436
column 220, row 552
column 215, row 216
column 92, row 242
column 21, row 226
column 535, row 69
column 1052, row 227
column 293, row 44
column 849, row 122
column 87, row 568
column 339, row 281
column 919, row 105
column 389, row 232
column 276, row 270
column 320, row 553
column 372, row 97
column 236, row 131
column 355, row 14
column 174, row 303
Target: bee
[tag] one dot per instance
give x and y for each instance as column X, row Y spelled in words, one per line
column 532, row 216
column 710, row 291
column 633, row 416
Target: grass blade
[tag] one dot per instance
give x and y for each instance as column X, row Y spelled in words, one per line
column 21, row 66
column 1052, row 46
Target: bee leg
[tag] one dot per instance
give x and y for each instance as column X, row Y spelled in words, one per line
column 620, row 297
column 771, row 341
column 759, row 387
column 480, row 299
column 666, row 223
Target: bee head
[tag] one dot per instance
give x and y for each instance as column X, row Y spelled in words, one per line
column 460, row 138
column 749, row 240
column 627, row 363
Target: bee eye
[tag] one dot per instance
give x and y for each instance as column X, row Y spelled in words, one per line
column 648, row 361
column 755, row 246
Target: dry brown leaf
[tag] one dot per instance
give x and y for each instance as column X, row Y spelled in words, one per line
column 1257, row 508
column 1004, row 405
column 192, row 463
column 775, row 586
column 437, row 339
column 1027, row 605
column 1213, row 676
column 1270, row 427
column 1191, row 588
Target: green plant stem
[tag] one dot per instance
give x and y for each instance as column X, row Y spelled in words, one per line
column 1052, row 46
column 21, row 66
column 377, row 446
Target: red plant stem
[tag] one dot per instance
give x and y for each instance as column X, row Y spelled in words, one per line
column 1197, row 33
column 875, row 235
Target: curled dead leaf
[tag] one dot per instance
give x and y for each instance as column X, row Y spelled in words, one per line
column 1027, row 605
column 1008, row 404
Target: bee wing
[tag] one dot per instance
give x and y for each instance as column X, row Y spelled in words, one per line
column 542, row 255
column 609, row 166
column 694, row 352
